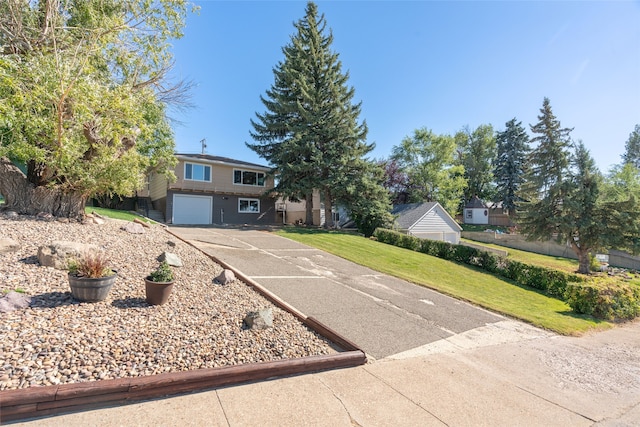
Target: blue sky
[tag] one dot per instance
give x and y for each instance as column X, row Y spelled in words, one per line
column 440, row 65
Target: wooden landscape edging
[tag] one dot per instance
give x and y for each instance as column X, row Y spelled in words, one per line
column 57, row 399
column 51, row 400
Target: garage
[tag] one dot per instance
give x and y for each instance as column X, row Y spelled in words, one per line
column 189, row 209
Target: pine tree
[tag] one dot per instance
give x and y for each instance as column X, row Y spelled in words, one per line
column 512, row 151
column 548, row 165
column 564, row 198
column 549, row 160
column 632, row 148
column 310, row 132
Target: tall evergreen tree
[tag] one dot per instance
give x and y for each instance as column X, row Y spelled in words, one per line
column 632, row 148
column 566, row 201
column 549, row 160
column 310, row 132
column 548, row 166
column 512, row 151
column 477, row 151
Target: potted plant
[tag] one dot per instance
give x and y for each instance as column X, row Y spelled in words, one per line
column 90, row 277
column 159, row 284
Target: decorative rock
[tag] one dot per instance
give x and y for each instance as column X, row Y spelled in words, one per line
column 172, row 259
column 226, row 277
column 14, row 301
column 171, row 243
column 8, row 245
column 262, row 319
column 57, row 254
column 98, row 220
column 11, row 214
column 133, row 228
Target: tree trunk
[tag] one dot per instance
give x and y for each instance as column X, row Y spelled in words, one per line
column 584, row 261
column 328, row 215
column 309, row 208
column 25, row 198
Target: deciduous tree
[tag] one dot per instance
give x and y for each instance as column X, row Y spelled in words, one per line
column 429, row 162
column 477, row 152
column 83, row 99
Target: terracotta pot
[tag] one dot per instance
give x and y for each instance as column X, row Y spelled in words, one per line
column 157, row 292
column 91, row 289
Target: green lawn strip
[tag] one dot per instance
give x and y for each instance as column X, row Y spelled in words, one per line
column 117, row 214
column 457, row 280
column 559, row 263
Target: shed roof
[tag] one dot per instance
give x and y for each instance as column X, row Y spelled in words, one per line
column 410, row 213
column 475, row 203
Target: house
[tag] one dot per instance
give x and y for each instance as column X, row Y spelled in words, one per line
column 214, row 190
column 427, row 220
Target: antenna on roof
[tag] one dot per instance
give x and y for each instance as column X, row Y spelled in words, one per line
column 203, row 141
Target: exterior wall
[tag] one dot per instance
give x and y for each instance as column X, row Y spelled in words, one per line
column 476, row 216
column 518, row 241
column 225, row 209
column 433, row 226
column 157, row 187
column 221, row 180
column 296, row 211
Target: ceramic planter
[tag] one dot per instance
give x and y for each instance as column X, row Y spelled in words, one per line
column 91, row 289
column 157, row 292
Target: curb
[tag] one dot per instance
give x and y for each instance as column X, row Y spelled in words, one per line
column 46, row 401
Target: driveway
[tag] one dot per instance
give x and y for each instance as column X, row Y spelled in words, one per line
column 383, row 315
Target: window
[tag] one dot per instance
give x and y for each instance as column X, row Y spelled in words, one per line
column 469, row 214
column 248, row 205
column 241, row 177
column 196, row 172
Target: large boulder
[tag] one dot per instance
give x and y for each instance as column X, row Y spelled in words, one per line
column 58, row 253
column 262, row 319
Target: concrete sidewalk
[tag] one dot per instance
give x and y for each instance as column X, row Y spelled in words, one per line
column 492, row 371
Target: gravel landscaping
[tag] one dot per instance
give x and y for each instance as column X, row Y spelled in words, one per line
column 60, row 340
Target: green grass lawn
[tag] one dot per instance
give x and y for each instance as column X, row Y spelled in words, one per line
column 116, row 214
column 559, row 263
column 460, row 281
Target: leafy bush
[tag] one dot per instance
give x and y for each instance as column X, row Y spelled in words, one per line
column 604, row 300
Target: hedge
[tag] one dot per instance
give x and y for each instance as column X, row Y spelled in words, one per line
column 610, row 301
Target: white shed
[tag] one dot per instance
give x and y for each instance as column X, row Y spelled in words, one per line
column 476, row 212
column 427, row 220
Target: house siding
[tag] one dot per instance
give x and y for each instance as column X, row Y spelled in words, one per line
column 435, row 224
column 221, row 180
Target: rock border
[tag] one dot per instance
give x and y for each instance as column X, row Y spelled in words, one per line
column 36, row 402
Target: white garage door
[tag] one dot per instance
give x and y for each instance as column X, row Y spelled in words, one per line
column 189, row 209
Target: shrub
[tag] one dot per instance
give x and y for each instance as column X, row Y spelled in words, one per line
column 90, row 264
column 162, row 274
column 604, row 300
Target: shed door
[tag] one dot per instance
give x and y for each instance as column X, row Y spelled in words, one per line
column 188, row 209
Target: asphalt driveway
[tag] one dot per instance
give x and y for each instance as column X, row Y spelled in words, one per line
column 383, row 315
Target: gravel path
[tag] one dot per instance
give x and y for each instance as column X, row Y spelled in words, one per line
column 61, row 340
